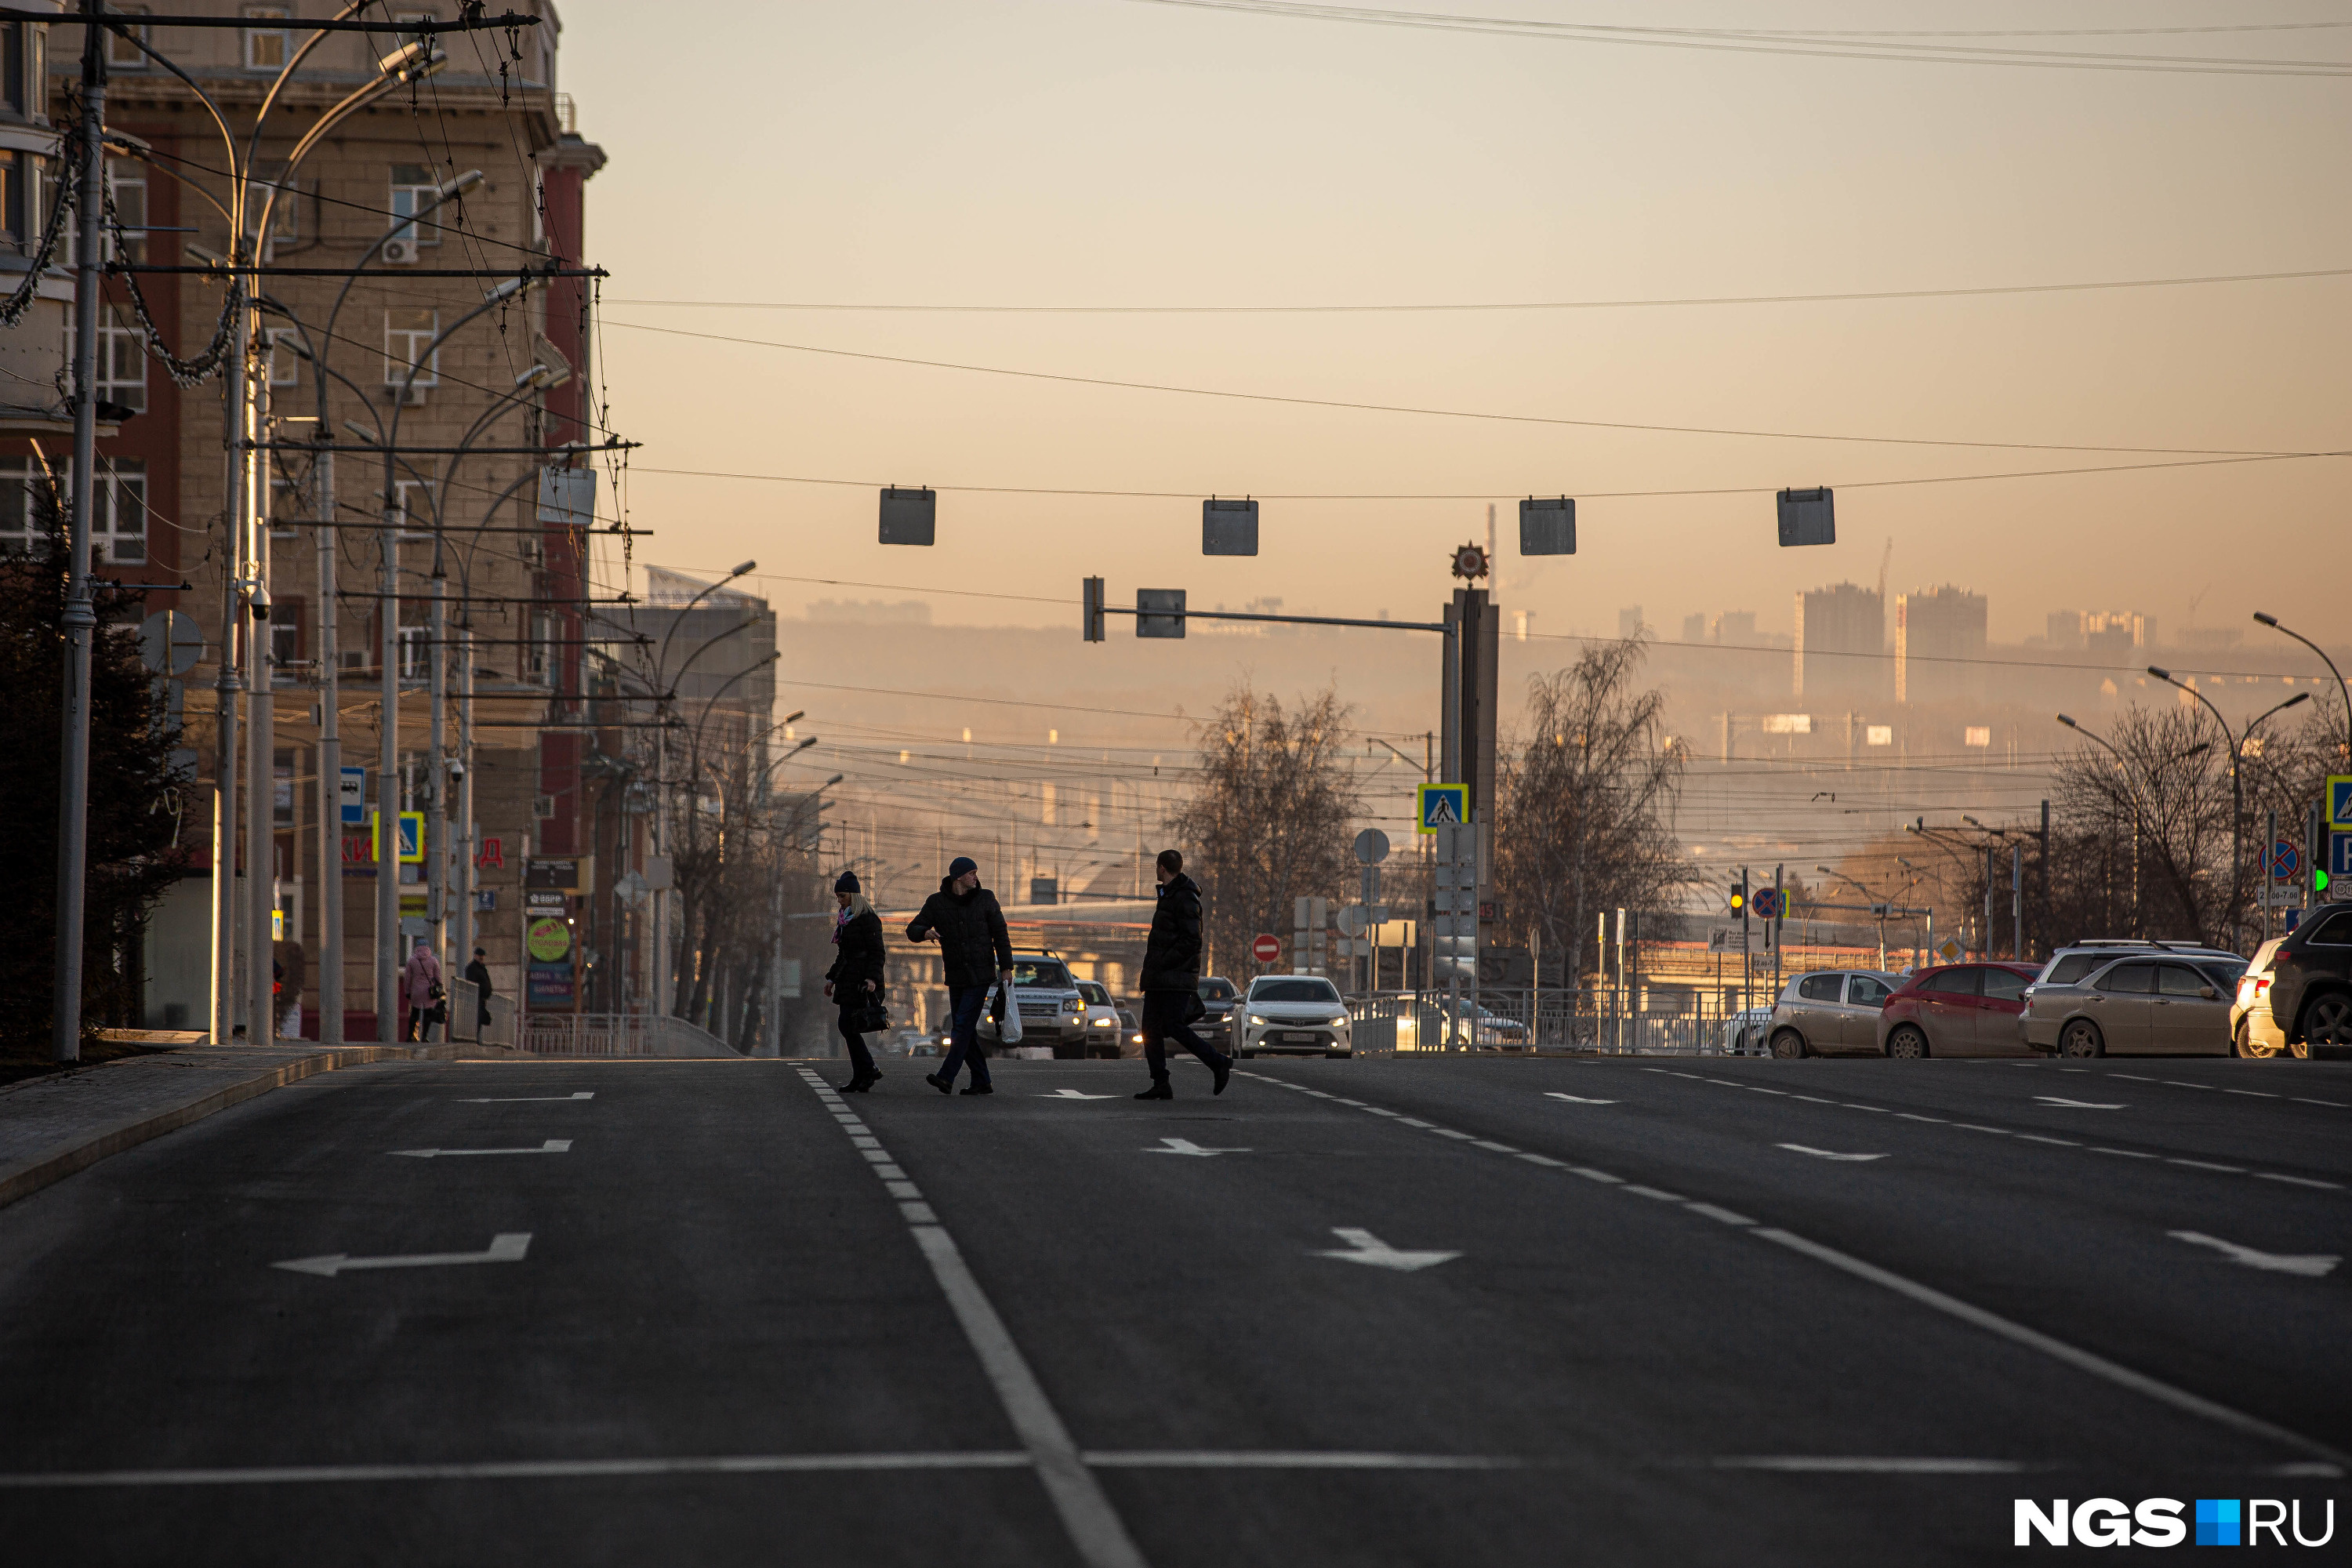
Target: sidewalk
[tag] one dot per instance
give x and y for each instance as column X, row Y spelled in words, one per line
column 51, row 1127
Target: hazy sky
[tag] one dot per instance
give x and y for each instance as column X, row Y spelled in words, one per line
column 1110, row 151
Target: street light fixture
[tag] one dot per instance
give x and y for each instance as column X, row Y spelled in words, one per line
column 2273, row 622
column 2237, row 745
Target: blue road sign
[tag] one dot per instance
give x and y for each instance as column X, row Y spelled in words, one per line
column 2285, row 860
column 2339, row 802
column 2339, row 855
column 1437, row 805
column 352, row 794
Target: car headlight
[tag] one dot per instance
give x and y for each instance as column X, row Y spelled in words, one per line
column 1341, row 1022
column 1253, row 1019
column 1103, row 1024
column 1071, row 1004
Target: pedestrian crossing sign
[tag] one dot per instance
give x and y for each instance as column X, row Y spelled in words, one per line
column 412, row 838
column 2339, row 803
column 1437, row 805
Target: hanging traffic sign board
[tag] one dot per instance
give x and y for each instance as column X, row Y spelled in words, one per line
column 2339, row 802
column 1437, row 805
column 1266, row 948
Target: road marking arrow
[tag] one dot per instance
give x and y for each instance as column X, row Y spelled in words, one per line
column 1577, row 1099
column 1363, row 1247
column 529, row 1098
column 1186, row 1146
column 552, row 1146
column 2310, row 1266
column 2075, row 1104
column 504, row 1248
column 1075, row 1094
column 1826, row 1154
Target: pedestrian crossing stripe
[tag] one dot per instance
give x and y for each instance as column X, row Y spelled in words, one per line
column 1437, row 805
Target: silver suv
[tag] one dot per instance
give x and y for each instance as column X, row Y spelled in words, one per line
column 2070, row 965
column 1053, row 1011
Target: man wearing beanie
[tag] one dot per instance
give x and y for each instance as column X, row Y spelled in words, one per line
column 970, row 926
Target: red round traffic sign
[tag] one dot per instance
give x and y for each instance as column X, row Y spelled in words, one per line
column 1266, row 948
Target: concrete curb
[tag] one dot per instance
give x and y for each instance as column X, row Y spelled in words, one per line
column 31, row 1178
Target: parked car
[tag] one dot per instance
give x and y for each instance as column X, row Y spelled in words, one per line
column 2075, row 961
column 1743, row 1032
column 1830, row 1012
column 1104, row 1031
column 1291, row 1014
column 1053, row 1012
column 2296, row 995
column 1218, row 995
column 2137, row 1001
column 1958, row 1010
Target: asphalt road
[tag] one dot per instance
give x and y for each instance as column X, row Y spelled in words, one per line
column 1491, row 1312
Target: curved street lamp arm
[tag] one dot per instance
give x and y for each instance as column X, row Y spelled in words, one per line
column 124, row 29
column 2343, row 690
column 286, row 73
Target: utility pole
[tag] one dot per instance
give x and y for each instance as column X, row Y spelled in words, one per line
column 79, row 622
column 260, row 722
column 2017, row 899
column 330, row 757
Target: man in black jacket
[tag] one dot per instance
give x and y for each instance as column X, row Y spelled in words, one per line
column 1171, row 980
column 478, row 971
column 970, row 925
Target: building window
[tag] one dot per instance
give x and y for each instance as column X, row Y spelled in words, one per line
column 413, row 501
column 408, row 345
column 538, row 654
column 121, row 360
column 284, row 197
column 413, row 190
column 24, row 69
column 119, row 509
column 285, row 638
column 415, row 648
column 19, row 515
column 285, row 364
column 121, row 54
column 267, row 47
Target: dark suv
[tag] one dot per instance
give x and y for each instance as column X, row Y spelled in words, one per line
column 2297, row 993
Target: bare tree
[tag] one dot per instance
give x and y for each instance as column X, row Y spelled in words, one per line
column 2164, row 788
column 1267, row 823
column 1585, row 804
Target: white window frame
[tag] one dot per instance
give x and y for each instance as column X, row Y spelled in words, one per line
column 416, row 522
column 284, row 367
column 410, row 198
column 18, row 477
column 121, row 55
column 405, row 334
column 121, row 359
column 258, row 40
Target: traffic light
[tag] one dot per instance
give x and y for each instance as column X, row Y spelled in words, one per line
column 1091, row 624
column 1738, row 899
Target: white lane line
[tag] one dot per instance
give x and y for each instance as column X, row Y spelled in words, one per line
column 1826, row 1154
column 2126, row 1153
column 552, row 1146
column 1449, row 1133
column 509, row 1247
column 1541, row 1160
column 1816, row 1099
column 2058, row 1350
column 2135, row 1078
column 1186, row 1146
column 2077, row 1104
column 2310, row 1266
column 1589, row 1174
column 2306, row 1099
column 515, row 1469
column 2038, row 1138
column 2207, row 1165
column 1725, row 1215
column 1850, row 1105
column 2297, row 1181
column 1575, row 1099
column 1498, row 1148
column 1972, row 1127
column 1412, row 1122
column 1291, row 1460
column 1075, row 1094
column 1659, row 1192
column 1086, row 1514
column 1939, row 1120
column 2177, row 1083
column 2253, row 1094
column 527, row 1099
column 1865, row 1465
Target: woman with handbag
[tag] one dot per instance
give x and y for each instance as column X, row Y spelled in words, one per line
column 855, row 981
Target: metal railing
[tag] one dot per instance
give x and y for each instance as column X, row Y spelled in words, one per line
column 617, row 1035
column 1525, row 1019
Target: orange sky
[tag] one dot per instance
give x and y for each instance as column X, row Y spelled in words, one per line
column 1102, row 151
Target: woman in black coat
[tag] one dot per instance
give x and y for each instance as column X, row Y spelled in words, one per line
column 855, row 981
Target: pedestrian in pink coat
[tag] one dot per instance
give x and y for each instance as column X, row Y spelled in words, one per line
column 421, row 983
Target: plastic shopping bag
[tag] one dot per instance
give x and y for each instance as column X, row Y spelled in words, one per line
column 1010, row 1028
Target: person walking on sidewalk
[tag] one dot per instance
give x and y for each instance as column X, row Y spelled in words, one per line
column 1171, row 980
column 970, row 926
column 478, row 974
column 855, row 981
column 420, row 982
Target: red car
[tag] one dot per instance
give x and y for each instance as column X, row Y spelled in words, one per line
column 1959, row 1010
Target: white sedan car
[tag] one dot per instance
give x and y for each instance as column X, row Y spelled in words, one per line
column 1291, row 1014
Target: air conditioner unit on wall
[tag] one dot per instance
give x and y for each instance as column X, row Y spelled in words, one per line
column 399, row 252
column 542, row 806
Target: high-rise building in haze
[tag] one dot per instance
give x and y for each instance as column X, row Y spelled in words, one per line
column 1933, row 629
column 2065, row 629
column 1736, row 628
column 1841, row 642
column 1695, row 627
column 1629, row 621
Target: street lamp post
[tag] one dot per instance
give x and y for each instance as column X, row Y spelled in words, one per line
column 2273, row 622
column 2237, row 790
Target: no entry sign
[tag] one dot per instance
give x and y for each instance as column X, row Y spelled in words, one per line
column 1266, row 948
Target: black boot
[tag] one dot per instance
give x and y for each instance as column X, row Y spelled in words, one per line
column 857, row 1085
column 1221, row 1072
column 1159, row 1091
column 980, row 1088
column 945, row 1085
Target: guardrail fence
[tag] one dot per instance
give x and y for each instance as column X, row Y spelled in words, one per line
column 1551, row 1019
